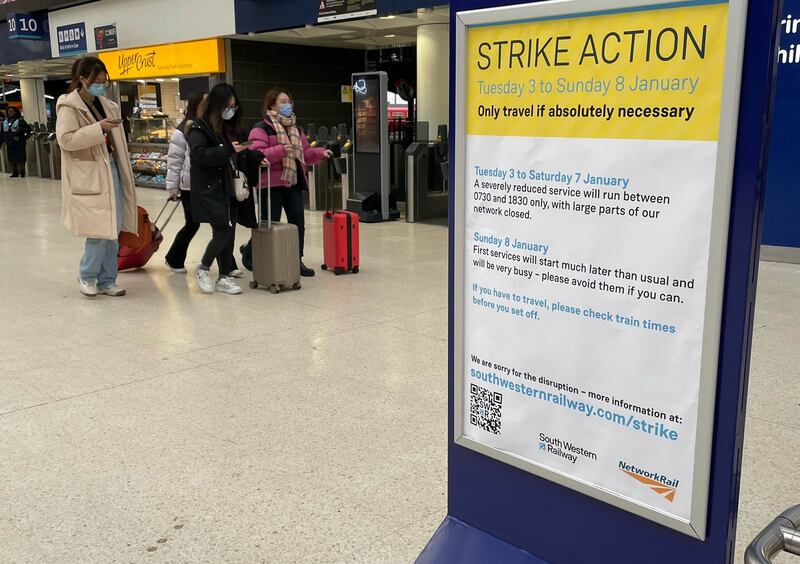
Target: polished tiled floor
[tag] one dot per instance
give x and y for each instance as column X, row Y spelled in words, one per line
column 171, row 426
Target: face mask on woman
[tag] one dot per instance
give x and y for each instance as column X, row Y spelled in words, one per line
column 286, row 109
column 97, row 90
column 228, row 113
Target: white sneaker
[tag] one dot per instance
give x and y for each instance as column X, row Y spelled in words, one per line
column 204, row 281
column 88, row 289
column 235, row 273
column 180, row 270
column 111, row 290
column 227, row 285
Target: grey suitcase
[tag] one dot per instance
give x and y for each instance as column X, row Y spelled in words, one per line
column 276, row 249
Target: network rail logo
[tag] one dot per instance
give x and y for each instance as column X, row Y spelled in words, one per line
column 656, row 481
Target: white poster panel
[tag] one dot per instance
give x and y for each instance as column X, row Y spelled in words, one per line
column 593, row 200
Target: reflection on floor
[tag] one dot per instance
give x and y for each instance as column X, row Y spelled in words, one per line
column 304, row 427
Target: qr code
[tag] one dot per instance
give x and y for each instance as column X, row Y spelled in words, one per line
column 485, row 408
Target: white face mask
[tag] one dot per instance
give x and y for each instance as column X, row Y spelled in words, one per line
column 228, row 113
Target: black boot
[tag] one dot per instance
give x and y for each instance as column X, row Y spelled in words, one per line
column 247, row 256
column 14, row 173
column 305, row 271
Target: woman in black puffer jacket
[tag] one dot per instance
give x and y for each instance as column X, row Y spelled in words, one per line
column 216, row 156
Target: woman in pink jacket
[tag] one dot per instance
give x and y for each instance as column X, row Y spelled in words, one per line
column 286, row 147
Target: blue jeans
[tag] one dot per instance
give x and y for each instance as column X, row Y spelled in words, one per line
column 99, row 262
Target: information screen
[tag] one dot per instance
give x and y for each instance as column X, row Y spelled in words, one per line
column 594, row 204
column 366, row 113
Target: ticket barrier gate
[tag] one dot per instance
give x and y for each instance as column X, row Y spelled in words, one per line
column 43, row 148
column 782, row 535
column 33, row 150
column 322, row 176
column 427, row 174
column 54, row 155
column 5, row 165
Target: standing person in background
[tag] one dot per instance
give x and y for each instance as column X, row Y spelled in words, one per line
column 98, row 194
column 216, row 156
column 15, row 134
column 179, row 184
column 286, row 148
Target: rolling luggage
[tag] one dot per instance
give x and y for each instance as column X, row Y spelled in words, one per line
column 340, row 239
column 276, row 248
column 135, row 251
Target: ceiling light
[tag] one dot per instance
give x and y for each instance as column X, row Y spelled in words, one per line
column 159, row 80
column 390, row 35
column 386, row 17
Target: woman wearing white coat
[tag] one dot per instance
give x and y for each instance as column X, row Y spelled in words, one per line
column 178, row 185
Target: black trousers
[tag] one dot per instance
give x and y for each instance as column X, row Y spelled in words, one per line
column 17, row 169
column 289, row 200
column 176, row 256
column 220, row 248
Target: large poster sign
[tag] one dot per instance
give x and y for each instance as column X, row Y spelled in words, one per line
column 592, row 206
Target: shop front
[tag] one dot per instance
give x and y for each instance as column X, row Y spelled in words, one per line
column 153, row 84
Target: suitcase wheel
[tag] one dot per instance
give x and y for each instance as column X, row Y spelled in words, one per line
column 324, row 267
column 275, row 289
column 355, row 270
column 253, row 284
column 338, row 271
column 296, row 286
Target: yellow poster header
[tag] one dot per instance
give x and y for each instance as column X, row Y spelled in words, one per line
column 645, row 74
column 174, row 59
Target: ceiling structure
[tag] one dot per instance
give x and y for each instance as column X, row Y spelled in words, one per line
column 371, row 33
column 51, row 69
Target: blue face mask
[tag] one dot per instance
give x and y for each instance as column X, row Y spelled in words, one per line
column 286, row 110
column 97, row 90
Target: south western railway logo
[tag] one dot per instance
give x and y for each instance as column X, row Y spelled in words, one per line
column 657, row 482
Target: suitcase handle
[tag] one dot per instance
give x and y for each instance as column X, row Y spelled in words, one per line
column 169, row 217
column 257, row 198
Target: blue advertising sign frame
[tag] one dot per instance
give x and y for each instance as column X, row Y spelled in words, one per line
column 782, row 200
column 499, row 513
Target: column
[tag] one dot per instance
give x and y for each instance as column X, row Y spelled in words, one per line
column 433, row 56
column 33, row 106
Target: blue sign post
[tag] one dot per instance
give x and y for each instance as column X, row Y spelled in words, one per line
column 71, row 39
column 503, row 504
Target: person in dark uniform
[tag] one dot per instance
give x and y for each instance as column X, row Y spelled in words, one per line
column 15, row 134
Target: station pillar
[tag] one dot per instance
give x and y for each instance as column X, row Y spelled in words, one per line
column 33, row 106
column 433, row 85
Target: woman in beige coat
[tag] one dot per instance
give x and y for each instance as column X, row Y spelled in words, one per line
column 97, row 185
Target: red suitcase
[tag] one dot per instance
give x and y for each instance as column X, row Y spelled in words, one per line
column 340, row 241
column 130, row 257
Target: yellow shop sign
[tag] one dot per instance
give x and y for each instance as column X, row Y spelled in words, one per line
column 173, row 59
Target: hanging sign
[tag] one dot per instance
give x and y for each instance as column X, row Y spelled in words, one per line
column 105, row 37
column 175, row 59
column 27, row 26
column 335, row 10
column 71, row 39
column 592, row 208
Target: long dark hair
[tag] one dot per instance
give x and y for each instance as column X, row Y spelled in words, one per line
column 88, row 68
column 193, row 102
column 211, row 109
column 272, row 97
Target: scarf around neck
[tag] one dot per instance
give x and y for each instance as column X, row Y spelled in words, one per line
column 289, row 136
